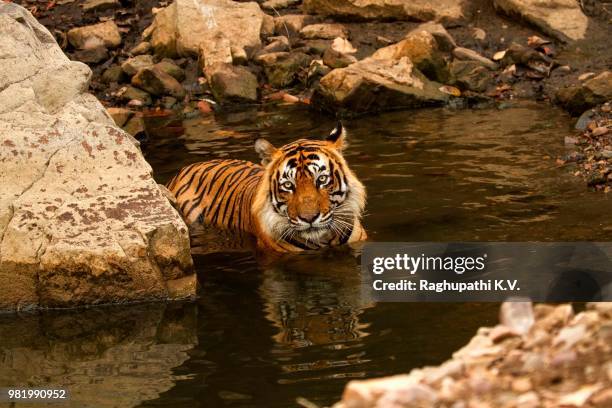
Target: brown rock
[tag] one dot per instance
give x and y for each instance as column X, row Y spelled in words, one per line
column 324, row 31
column 232, row 84
column 132, row 65
column 120, row 115
column 446, row 11
column 157, row 82
column 107, row 32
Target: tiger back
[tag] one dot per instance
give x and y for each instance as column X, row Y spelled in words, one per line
column 217, row 192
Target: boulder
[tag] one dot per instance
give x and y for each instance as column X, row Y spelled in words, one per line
column 187, row 27
column 576, row 99
column 232, row 84
column 107, row 32
column 422, row 49
column 82, row 221
column 562, row 19
column 375, row 84
column 132, row 65
column 324, row 31
column 445, row 11
column 157, row 82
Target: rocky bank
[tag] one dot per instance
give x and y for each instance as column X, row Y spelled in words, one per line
column 82, row 221
column 542, row 356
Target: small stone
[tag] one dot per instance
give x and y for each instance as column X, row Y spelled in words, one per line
column 583, row 121
column 317, row 70
column 467, row 54
column 91, row 55
column 343, row 46
column 239, row 56
column 533, row 362
column 528, row 400
column 586, row 75
column 120, row 115
column 479, row 34
column 183, row 288
column 569, row 336
column 278, row 4
column 141, row 48
column 501, row 333
column 517, row 315
column 129, row 93
column 277, row 44
column 169, row 67
column 324, row 31
column 100, row 5
column 168, row 102
column 291, row 24
column 107, row 31
column 157, row 82
column 600, row 131
column 602, row 399
column 132, row 65
column 113, row 74
column 335, row 59
column 521, row 385
column 580, row 397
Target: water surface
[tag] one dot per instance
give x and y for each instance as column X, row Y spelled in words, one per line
column 264, row 334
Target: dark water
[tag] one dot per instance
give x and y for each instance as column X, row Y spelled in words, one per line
column 263, row 335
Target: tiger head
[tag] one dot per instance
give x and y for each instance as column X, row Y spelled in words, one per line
column 308, row 191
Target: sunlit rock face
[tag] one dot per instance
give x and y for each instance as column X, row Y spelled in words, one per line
column 104, row 357
column 446, row 11
column 82, row 221
column 562, row 19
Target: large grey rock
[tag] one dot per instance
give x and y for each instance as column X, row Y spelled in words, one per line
column 82, row 221
column 201, row 27
column 446, row 11
column 376, row 84
column 562, row 19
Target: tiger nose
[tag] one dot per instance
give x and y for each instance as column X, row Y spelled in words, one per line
column 309, row 217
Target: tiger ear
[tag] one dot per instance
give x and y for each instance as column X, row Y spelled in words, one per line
column 265, row 150
column 338, row 136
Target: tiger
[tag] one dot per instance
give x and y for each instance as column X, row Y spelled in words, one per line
column 302, row 196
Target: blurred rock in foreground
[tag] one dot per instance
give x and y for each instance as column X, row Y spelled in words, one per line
column 545, row 356
column 81, row 219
